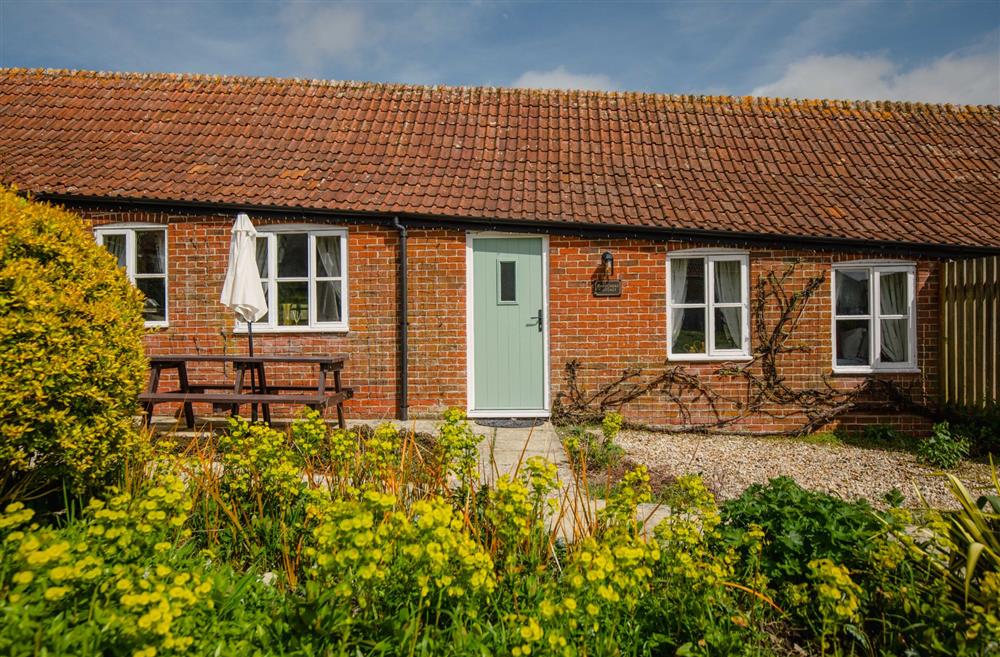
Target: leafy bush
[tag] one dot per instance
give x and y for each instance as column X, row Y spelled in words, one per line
column 980, row 426
column 460, row 447
column 71, row 360
column 884, row 436
column 802, row 526
column 611, row 425
column 123, row 579
column 971, row 564
column 867, row 582
column 943, row 448
column 597, row 453
column 314, row 541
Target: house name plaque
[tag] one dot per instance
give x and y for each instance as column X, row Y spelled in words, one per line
column 611, row 287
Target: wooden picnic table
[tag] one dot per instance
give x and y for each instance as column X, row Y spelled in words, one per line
column 234, row 394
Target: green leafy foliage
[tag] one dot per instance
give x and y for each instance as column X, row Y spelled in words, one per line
column 595, row 452
column 611, row 425
column 943, row 448
column 802, row 526
column 123, row 579
column 317, row 541
column 71, row 359
column 980, row 426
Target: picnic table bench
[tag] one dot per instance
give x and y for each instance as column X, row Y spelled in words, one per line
column 235, row 394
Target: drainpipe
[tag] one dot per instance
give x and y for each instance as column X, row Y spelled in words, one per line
column 404, row 325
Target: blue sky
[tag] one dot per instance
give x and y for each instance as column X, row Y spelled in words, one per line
column 931, row 51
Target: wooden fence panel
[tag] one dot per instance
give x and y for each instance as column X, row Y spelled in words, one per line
column 970, row 331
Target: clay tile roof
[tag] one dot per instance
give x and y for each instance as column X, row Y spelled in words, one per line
column 899, row 172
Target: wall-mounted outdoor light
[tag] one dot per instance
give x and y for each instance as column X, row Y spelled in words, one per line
column 608, row 261
column 606, row 285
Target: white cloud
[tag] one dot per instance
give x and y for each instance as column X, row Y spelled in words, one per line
column 317, row 34
column 970, row 79
column 560, row 78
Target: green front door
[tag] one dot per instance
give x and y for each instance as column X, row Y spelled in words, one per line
column 508, row 324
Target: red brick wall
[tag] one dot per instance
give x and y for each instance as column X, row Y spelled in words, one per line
column 198, row 250
column 607, row 335
column 436, row 261
column 610, row 335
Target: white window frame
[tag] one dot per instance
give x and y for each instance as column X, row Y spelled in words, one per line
column 128, row 231
column 269, row 323
column 711, row 256
column 875, row 269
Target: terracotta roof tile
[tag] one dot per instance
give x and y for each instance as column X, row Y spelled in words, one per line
column 902, row 172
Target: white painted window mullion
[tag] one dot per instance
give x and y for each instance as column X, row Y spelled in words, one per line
column 311, row 279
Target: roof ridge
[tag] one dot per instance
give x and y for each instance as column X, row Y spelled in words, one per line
column 763, row 102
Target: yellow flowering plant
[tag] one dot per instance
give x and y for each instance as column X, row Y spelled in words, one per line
column 314, row 541
column 123, row 578
column 837, row 599
column 373, row 560
column 459, row 448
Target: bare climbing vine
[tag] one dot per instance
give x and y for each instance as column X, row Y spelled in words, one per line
column 767, row 392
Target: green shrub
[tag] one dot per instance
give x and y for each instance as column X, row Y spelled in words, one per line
column 327, row 542
column 943, row 448
column 611, row 425
column 595, row 452
column 123, row 578
column 802, row 526
column 71, row 360
column 980, row 426
column 882, row 434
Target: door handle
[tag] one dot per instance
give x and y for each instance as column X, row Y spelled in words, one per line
column 540, row 319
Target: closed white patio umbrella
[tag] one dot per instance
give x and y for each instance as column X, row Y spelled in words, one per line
column 242, row 291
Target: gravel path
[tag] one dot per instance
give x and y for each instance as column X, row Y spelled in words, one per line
column 731, row 463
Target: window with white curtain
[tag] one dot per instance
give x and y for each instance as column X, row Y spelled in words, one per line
column 874, row 317
column 708, row 305
column 304, row 274
column 142, row 252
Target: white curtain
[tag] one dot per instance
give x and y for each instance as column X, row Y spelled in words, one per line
column 160, row 251
column 728, row 290
column 116, row 245
column 328, row 249
column 894, row 331
column 262, row 256
column 678, row 292
column 328, row 301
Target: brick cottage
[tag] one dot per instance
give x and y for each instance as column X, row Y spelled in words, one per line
column 732, row 263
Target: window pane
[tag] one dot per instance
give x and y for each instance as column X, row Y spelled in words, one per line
column 328, row 301
column 508, row 282
column 688, row 331
column 895, row 341
column 293, row 254
column 727, row 282
column 728, row 330
column 328, row 256
column 293, row 304
column 155, row 289
column 149, row 256
column 687, row 280
column 116, row 245
column 852, row 342
column 262, row 256
column 852, row 292
column 893, row 287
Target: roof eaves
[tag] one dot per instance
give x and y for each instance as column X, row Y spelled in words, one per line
column 937, row 250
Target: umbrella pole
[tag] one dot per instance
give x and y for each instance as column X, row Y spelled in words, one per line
column 253, row 371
